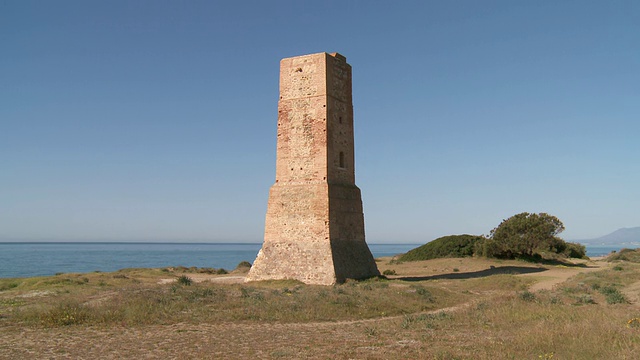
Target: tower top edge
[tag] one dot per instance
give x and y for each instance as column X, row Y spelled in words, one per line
column 336, row 55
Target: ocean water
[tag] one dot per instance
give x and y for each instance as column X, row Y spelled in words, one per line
column 43, row 259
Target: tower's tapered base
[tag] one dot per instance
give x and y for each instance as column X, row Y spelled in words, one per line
column 314, row 233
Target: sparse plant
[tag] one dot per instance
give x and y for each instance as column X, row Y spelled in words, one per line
column 407, row 321
column 370, row 331
column 608, row 289
column 426, row 294
column 184, row 280
column 440, row 315
column 616, row 298
column 612, row 295
column 389, row 272
column 585, row 299
column 527, row 296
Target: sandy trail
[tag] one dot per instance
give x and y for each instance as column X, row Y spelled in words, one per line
column 559, row 274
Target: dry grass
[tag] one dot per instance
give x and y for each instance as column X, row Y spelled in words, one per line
column 482, row 310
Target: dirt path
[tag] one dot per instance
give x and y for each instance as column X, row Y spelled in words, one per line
column 558, row 274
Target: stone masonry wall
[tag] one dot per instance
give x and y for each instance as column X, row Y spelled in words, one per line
column 314, row 229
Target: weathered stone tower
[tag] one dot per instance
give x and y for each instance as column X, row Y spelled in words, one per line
column 314, row 228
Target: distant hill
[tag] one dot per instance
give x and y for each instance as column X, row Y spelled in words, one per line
column 619, row 237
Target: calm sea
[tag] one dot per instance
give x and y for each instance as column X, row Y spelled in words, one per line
column 42, row 259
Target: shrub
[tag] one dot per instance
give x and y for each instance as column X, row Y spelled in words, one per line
column 575, row 250
column 527, row 296
column 8, row 285
column 444, row 247
column 243, row 264
column 608, row 289
column 426, row 294
column 585, row 299
column 525, row 234
column 389, row 272
column 184, row 280
column 616, row 298
column 612, row 295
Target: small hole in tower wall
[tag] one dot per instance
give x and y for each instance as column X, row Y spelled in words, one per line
column 340, row 119
column 299, row 70
column 341, row 159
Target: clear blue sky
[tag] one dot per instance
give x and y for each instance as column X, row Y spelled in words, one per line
column 156, row 120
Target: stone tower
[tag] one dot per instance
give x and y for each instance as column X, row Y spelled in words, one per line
column 314, row 229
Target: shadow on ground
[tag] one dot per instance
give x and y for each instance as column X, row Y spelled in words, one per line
column 511, row 270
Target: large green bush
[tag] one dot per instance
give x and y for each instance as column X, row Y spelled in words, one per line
column 525, row 235
column 531, row 236
column 447, row 246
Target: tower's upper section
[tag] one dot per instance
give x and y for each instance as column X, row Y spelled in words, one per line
column 315, row 120
column 315, row 75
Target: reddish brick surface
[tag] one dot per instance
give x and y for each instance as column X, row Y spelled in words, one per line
column 314, row 229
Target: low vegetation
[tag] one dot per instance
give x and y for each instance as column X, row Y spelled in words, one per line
column 453, row 246
column 128, row 297
column 527, row 236
column 629, row 255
